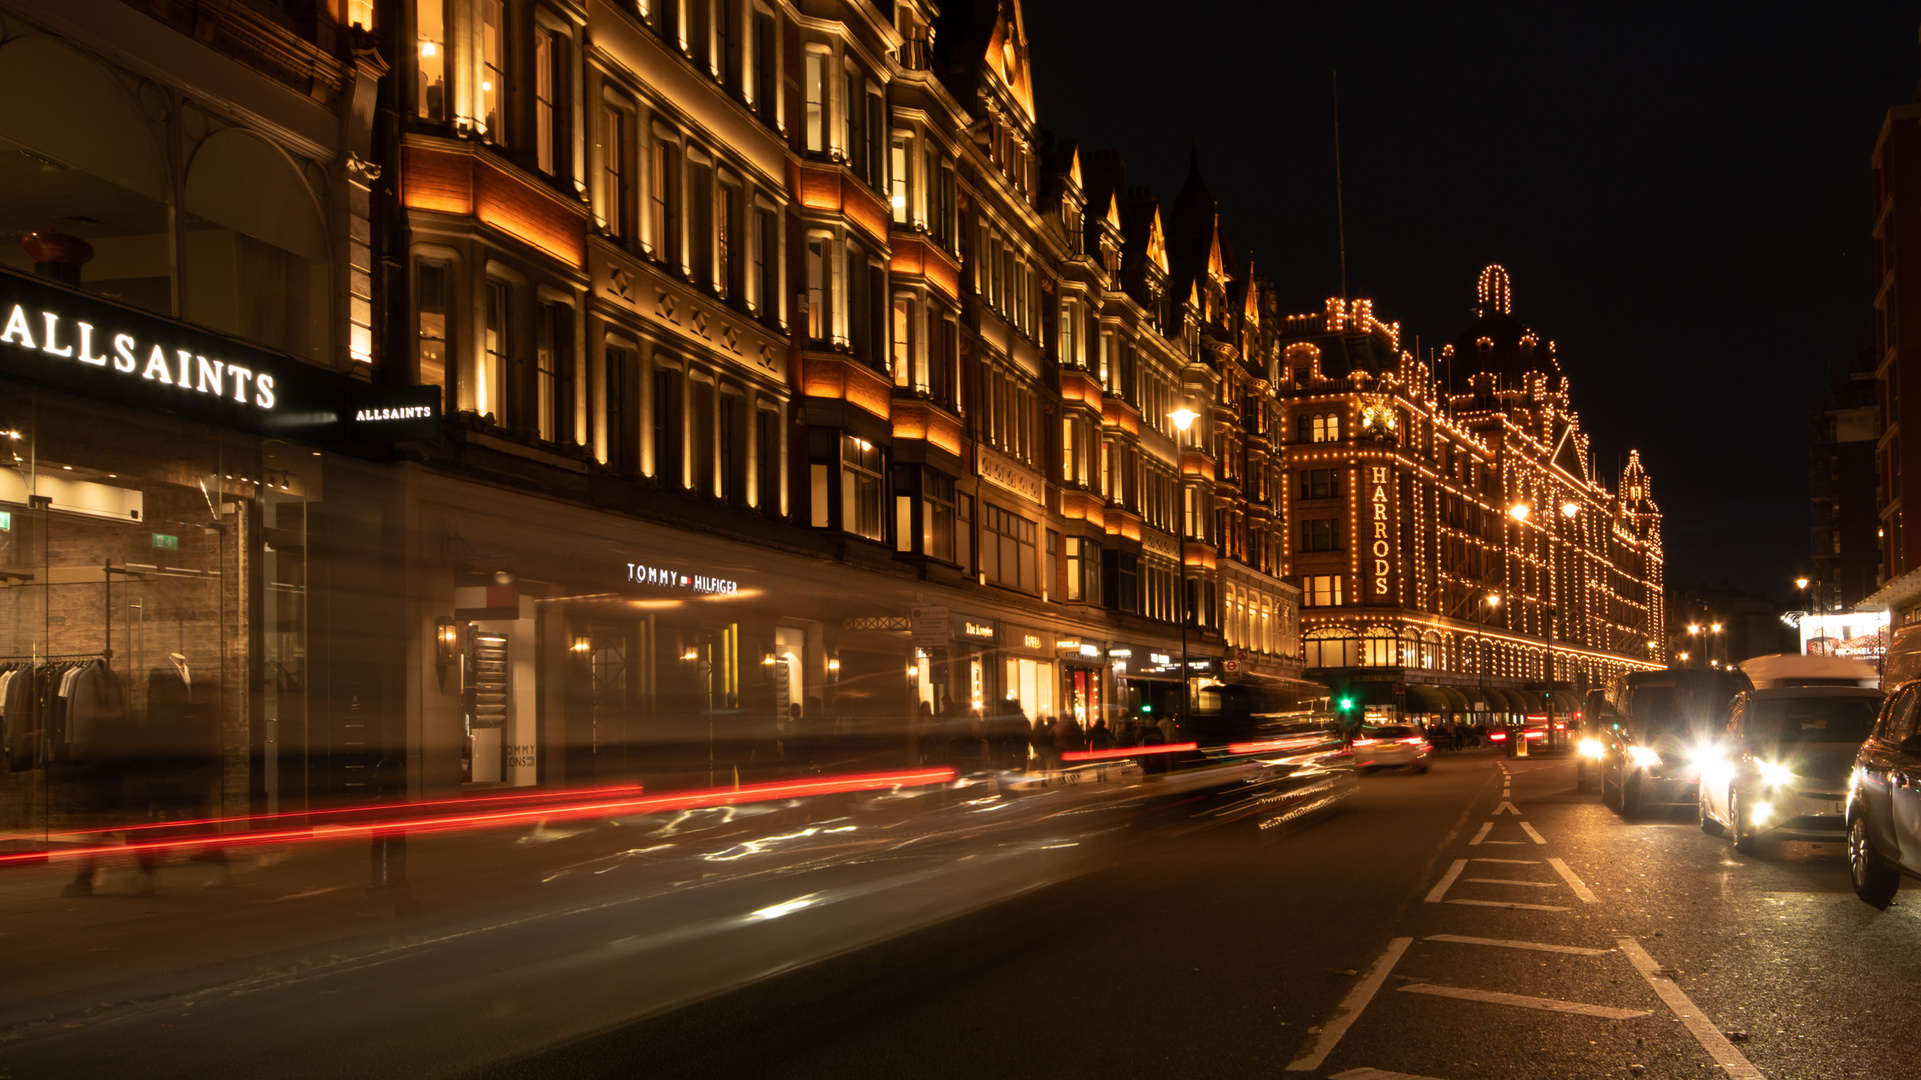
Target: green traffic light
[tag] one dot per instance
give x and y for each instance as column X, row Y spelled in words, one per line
column 1347, row 703
column 1147, row 708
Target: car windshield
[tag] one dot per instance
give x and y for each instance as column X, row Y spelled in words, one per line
column 1665, row 709
column 1812, row 719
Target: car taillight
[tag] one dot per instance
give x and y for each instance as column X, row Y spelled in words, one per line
column 1497, row 736
column 1537, row 734
column 1365, row 742
column 1417, row 741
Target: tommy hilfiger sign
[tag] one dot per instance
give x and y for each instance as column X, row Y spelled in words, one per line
column 67, row 338
column 673, row 579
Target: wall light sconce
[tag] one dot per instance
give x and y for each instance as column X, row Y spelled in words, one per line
column 833, row 667
column 582, row 645
column 768, row 660
column 446, row 647
column 690, row 655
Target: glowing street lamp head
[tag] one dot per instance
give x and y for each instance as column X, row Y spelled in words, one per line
column 1716, row 628
column 1183, row 417
column 1569, row 509
column 1694, row 628
column 1800, row 583
column 1494, row 600
column 1682, row 656
column 1519, row 511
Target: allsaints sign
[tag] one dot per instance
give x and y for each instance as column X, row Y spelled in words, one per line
column 96, row 347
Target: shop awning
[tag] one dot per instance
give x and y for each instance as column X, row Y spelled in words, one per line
column 1565, row 702
column 1422, row 698
column 1456, row 700
column 1524, row 702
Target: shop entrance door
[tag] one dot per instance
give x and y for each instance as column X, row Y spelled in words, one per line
column 600, row 713
column 1084, row 695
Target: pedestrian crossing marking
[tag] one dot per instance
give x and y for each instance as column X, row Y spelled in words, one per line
column 1532, row 835
column 1495, row 997
column 1507, row 808
column 1508, row 943
column 1508, row 904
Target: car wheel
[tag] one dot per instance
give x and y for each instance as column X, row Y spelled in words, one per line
column 1746, row 840
column 1421, row 768
column 1708, row 824
column 1873, row 881
column 1631, row 797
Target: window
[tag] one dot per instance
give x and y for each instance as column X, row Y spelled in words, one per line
column 700, row 435
column 820, row 255
column 964, row 531
column 873, row 135
column 666, row 203
column 733, row 458
column 550, row 67
column 814, row 82
column 1380, row 647
column 945, row 226
column 667, row 429
column 937, row 515
column 766, row 271
column 619, row 406
column 430, row 37
column 613, row 169
column 1081, row 567
column 430, row 283
column 1321, row 590
column 899, row 153
column 763, row 68
column 1320, row 534
column 901, row 338
column 1320, row 483
column 490, row 383
column 700, row 231
column 767, row 471
column 554, row 374
column 1069, row 338
column 861, row 488
column 1331, row 648
column 727, row 41
column 1007, row 549
column 1319, row 427
column 493, row 61
column 726, row 237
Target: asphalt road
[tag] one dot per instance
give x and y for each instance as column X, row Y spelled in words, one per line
column 1481, row 920
column 1402, row 936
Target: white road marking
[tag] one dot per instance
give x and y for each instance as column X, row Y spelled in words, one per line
column 1503, row 841
column 1494, row 997
column 1574, row 882
column 1376, row 1074
column 1532, row 835
column 1507, row 943
column 1482, row 835
column 1512, row 881
column 1349, row 1010
column 1515, row 862
column 1507, row 808
column 1718, row 1047
column 1508, row 904
column 1434, row 895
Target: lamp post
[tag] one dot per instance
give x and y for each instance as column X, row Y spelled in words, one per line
column 1183, row 418
column 1488, row 603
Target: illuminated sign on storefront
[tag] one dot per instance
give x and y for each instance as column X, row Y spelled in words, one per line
column 1377, row 499
column 980, row 631
column 665, row 578
column 116, row 353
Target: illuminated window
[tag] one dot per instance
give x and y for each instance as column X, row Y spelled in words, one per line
column 1008, row 549
column 814, row 82
column 490, row 383
column 861, row 488
column 900, row 152
column 431, row 288
column 1321, row 590
column 493, row 62
column 614, row 126
column 1081, row 569
column 430, row 57
column 550, row 66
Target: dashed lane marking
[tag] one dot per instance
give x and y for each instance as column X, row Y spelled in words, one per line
column 1513, row 862
column 1574, row 882
column 1447, row 880
column 1482, row 835
column 1716, row 1044
column 1507, row 808
column 1511, row 881
column 1495, row 997
column 1349, row 1010
column 1508, row 904
column 1376, row 1074
column 1531, row 834
column 1508, row 943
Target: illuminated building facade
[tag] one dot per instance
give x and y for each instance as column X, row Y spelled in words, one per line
column 1452, row 538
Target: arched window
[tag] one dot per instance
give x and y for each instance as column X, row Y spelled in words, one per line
column 1410, row 647
column 1431, row 650
column 1331, row 647
column 1379, row 645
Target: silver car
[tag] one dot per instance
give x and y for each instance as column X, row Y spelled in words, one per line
column 1783, row 768
column 1391, row 746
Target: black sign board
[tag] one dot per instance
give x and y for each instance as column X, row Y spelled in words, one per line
column 98, row 348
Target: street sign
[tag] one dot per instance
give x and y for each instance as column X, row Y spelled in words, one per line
column 932, row 627
column 1230, row 666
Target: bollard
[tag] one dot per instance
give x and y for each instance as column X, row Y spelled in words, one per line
column 389, row 895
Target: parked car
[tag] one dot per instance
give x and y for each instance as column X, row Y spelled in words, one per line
column 1670, row 722
column 1391, row 746
column 1788, row 753
column 1884, row 801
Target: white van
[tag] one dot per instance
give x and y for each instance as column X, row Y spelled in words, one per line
column 1793, row 669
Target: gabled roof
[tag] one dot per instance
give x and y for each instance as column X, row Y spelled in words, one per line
column 1006, row 55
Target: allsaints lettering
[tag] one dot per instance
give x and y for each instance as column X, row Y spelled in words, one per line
column 185, row 369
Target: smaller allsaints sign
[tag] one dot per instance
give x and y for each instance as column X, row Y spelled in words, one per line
column 411, row 412
column 46, row 331
column 666, row 578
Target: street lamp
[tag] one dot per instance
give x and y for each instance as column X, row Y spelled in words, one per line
column 1488, row 603
column 1183, row 418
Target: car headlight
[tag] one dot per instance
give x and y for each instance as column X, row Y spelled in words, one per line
column 1644, row 756
column 1773, row 775
column 1592, row 748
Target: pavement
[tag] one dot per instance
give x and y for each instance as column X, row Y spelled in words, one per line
column 1481, row 920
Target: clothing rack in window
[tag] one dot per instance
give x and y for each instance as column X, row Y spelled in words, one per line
column 104, row 654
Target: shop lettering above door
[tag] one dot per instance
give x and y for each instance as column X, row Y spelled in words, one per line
column 98, row 348
column 667, row 578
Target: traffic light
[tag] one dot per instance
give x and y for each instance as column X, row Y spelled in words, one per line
column 1347, row 704
column 1146, row 707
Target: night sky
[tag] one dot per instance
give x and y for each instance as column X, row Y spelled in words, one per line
column 1681, row 194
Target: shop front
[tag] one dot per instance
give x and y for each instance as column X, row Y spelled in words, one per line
column 1030, row 672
